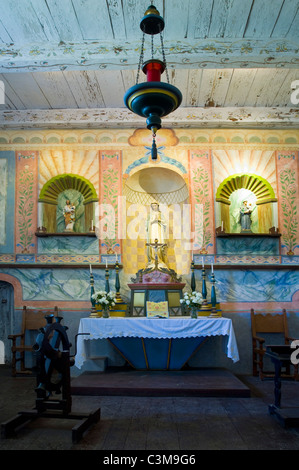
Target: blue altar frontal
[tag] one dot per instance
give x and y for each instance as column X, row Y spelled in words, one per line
column 155, row 343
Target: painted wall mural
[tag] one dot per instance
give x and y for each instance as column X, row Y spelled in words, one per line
column 108, row 164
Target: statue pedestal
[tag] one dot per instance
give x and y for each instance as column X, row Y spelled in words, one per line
column 142, row 292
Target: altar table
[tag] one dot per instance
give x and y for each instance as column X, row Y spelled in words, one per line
column 155, row 343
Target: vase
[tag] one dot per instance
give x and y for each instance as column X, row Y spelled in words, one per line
column 105, row 312
column 193, row 313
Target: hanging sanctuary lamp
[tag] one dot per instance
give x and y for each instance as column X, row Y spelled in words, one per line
column 152, row 99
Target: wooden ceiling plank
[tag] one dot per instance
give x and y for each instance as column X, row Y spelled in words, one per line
column 219, row 18
column 55, row 89
column 4, row 35
column 133, row 12
column 73, row 81
column 199, row 18
column 11, row 94
column 100, row 26
column 262, row 81
column 45, row 19
column 237, row 17
column 27, row 90
column 65, row 20
column 111, row 86
column 283, row 96
column 262, row 18
column 269, row 88
column 176, row 19
column 221, row 86
column 285, row 20
column 293, row 32
column 117, row 19
column 85, row 88
column 194, row 81
column 23, row 26
column 206, row 86
column 129, row 78
column 179, row 78
column 240, row 84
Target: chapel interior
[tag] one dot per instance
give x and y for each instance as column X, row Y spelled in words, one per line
column 149, row 231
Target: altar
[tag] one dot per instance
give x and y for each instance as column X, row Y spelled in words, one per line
column 155, row 343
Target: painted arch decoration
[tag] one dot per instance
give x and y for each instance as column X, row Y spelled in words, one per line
column 60, row 183
column 259, row 186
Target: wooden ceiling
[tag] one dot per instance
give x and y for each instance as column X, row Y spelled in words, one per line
column 68, row 63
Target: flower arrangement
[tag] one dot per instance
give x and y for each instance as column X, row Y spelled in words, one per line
column 192, row 301
column 105, row 299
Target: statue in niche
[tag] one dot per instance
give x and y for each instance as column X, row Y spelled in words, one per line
column 69, row 214
column 245, row 216
column 156, row 228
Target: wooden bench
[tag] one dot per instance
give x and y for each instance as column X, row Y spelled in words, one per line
column 32, row 320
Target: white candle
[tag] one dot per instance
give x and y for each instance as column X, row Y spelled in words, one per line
column 202, row 262
column 90, row 269
column 222, row 226
column 106, row 263
column 116, row 258
column 192, row 255
column 212, row 267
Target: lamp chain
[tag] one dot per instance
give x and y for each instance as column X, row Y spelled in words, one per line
column 152, row 46
column 164, row 58
column 140, row 58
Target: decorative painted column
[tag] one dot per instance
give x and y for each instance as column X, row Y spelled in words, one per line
column 202, row 201
column 288, row 192
column 110, row 190
column 26, row 205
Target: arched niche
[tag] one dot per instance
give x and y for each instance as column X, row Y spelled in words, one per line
column 52, row 198
column 258, row 189
column 167, row 188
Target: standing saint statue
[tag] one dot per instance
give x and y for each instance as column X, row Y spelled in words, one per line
column 245, row 216
column 69, row 216
column 156, row 227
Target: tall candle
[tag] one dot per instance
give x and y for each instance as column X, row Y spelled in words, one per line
column 222, row 226
column 90, row 269
column 116, row 258
column 106, row 263
column 212, row 267
column 192, row 255
column 202, row 262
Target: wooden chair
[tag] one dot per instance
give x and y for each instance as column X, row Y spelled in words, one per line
column 261, row 326
column 32, row 320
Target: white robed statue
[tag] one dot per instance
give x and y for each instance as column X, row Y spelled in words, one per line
column 156, row 228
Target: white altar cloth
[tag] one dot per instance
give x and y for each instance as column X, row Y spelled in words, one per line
column 159, row 328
